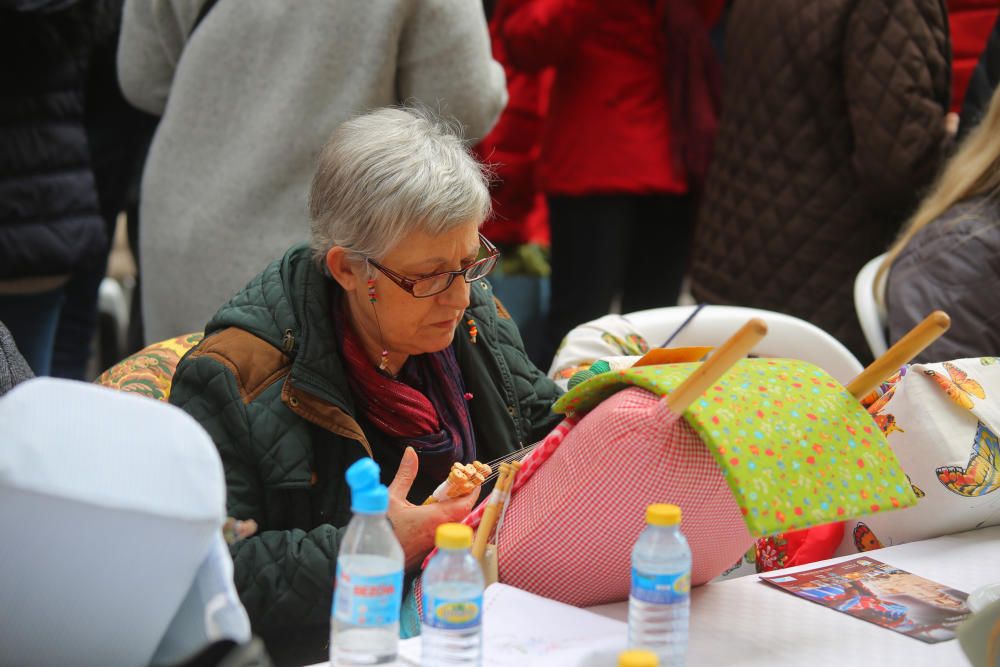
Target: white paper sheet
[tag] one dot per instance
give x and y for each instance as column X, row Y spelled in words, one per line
column 522, row 629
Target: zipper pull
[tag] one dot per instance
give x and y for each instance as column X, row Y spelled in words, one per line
column 288, row 341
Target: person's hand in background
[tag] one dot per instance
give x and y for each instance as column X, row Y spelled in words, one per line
column 951, row 120
column 234, row 530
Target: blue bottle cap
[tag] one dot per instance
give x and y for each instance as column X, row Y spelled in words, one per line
column 373, row 500
column 368, row 494
column 362, row 474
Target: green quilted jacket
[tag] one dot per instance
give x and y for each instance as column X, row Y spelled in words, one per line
column 268, row 385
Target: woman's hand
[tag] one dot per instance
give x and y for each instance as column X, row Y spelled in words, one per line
column 415, row 525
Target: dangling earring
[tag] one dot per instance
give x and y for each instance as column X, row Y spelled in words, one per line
column 473, row 331
column 383, row 363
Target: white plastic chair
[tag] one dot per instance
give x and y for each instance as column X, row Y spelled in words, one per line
column 787, row 336
column 112, row 307
column 871, row 310
column 112, row 516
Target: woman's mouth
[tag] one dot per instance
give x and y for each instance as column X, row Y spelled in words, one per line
column 446, row 324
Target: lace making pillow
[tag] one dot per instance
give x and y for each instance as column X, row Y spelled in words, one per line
column 942, row 421
column 775, row 445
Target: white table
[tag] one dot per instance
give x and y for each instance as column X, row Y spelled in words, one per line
column 745, row 622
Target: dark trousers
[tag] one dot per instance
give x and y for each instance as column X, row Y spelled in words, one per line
column 74, row 335
column 118, row 136
column 32, row 320
column 604, row 245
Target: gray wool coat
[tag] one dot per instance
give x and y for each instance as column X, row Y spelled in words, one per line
column 952, row 264
column 247, row 102
column 13, row 368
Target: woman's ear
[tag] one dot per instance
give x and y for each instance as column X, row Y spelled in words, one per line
column 342, row 268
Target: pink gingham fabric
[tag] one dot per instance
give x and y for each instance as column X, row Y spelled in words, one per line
column 534, row 459
column 579, row 502
column 529, row 464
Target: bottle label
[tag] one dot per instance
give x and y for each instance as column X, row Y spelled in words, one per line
column 451, row 614
column 368, row 600
column 661, row 588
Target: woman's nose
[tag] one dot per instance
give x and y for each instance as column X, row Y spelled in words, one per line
column 457, row 295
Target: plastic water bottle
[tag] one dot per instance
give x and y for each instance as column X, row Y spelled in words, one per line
column 452, row 601
column 661, row 581
column 364, row 627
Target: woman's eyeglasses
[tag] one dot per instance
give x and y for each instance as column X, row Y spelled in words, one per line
column 439, row 282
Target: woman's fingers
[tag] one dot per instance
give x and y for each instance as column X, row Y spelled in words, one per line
column 405, row 474
column 456, row 509
column 416, row 525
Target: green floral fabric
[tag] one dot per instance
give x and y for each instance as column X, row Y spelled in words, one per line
column 797, row 450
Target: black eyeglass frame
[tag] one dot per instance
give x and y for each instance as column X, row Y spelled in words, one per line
column 408, row 284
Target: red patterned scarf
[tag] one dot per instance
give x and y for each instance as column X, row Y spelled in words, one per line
column 424, row 408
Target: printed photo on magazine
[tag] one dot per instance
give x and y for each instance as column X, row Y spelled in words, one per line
column 881, row 594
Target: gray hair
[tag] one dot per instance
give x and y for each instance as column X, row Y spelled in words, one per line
column 390, row 172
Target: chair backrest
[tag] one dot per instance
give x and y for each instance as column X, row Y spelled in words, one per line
column 787, row 336
column 871, row 310
column 108, row 512
column 150, row 371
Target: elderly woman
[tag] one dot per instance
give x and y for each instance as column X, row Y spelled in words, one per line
column 379, row 339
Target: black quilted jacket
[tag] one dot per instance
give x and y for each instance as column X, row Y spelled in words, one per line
column 832, row 125
column 49, row 219
column 268, row 384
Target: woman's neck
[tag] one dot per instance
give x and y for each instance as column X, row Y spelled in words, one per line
column 368, row 332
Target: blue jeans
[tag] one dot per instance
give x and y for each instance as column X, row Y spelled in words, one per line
column 32, row 320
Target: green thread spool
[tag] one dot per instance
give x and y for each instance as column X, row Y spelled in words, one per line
column 600, row 366
column 580, row 376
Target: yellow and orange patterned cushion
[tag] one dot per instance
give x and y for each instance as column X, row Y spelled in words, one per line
column 150, row 371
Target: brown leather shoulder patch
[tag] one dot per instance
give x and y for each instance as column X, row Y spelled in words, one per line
column 323, row 414
column 501, row 310
column 255, row 363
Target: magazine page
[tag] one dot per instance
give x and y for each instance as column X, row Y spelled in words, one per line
column 881, row 594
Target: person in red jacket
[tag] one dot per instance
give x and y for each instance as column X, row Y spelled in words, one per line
column 970, row 22
column 519, row 225
column 618, row 212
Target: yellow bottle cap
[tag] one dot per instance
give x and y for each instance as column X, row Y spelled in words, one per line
column 453, row 536
column 638, row 658
column 662, row 514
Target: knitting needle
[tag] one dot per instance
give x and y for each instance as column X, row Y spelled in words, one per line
column 515, row 466
column 903, row 352
column 489, row 561
column 491, row 513
column 735, row 348
column 683, row 324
